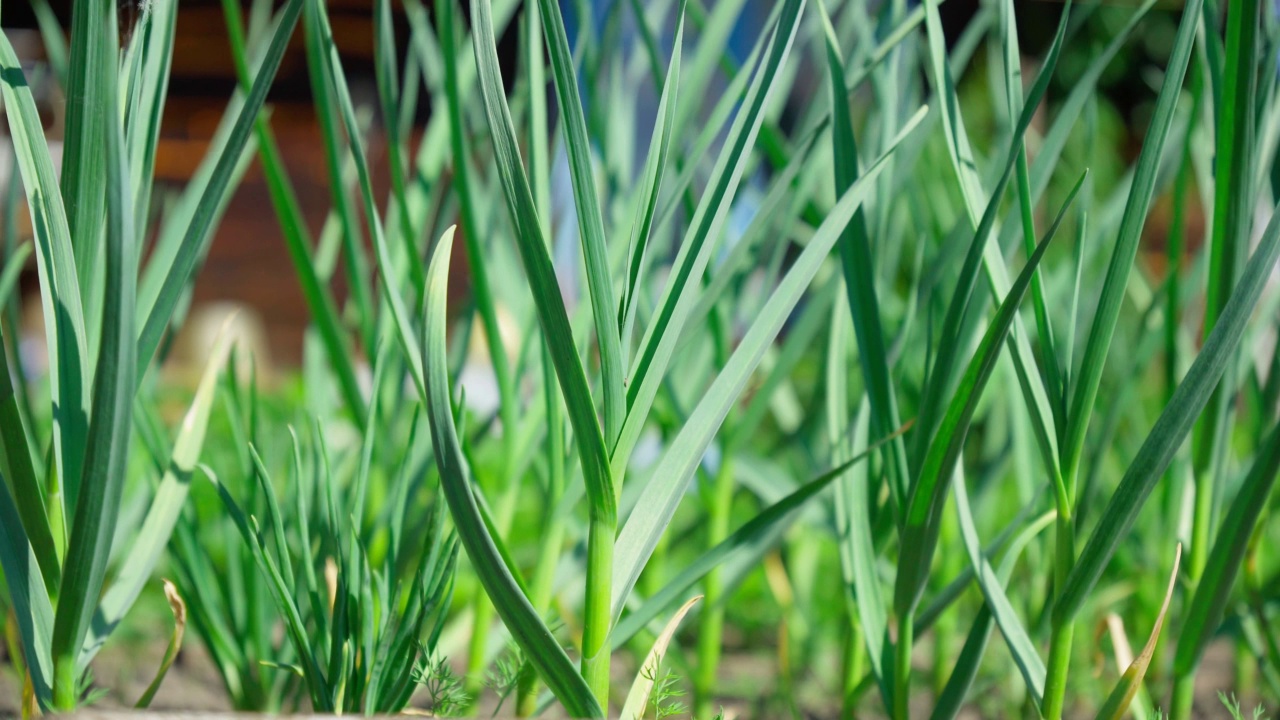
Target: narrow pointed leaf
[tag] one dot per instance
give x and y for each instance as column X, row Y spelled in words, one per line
column 590, row 223
column 638, row 697
column 110, row 429
column 1125, row 249
column 859, row 276
column 1117, row 704
column 1202, row 617
column 539, row 645
column 747, row 545
column 535, row 256
column 198, row 233
column 655, row 167
column 166, row 505
column 1172, row 427
column 28, row 598
column 680, row 293
column 64, row 322
column 929, row 492
column 675, row 470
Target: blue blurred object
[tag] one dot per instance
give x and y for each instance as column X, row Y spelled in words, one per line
column 746, row 30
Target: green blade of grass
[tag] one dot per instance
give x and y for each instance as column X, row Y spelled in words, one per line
column 28, row 598
column 1083, row 89
column 535, row 256
column 1171, row 428
column 951, row 699
column 680, row 293
column 281, row 593
column 319, row 606
column 143, row 127
column 981, row 252
column 166, row 505
column 1126, row 246
column 748, row 544
column 293, row 227
column 274, row 518
column 859, row 278
column 106, row 449
column 655, row 167
column 19, row 467
column 388, row 95
column 997, row 603
column 84, row 162
column 177, row 274
column 513, row 606
column 464, row 184
column 1049, row 364
column 929, row 492
column 675, row 470
column 331, row 71
column 553, row 528
column 1235, row 203
column 357, row 265
column 601, row 488
column 1202, row 617
column 604, row 308
column 462, row 180
column 853, row 515
column 69, row 376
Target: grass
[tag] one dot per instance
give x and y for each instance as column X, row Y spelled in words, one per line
column 877, row 364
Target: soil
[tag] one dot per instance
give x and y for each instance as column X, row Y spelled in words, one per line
column 751, row 680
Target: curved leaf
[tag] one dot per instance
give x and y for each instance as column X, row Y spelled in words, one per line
column 535, row 639
column 1118, row 701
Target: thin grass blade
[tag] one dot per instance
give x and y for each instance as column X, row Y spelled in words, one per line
column 655, row 167
column 680, row 293
column 69, row 377
column 177, row 274
column 170, row 497
column 28, row 598
column 110, row 428
column 675, row 470
column 638, row 697
column 1171, row 428
column 859, row 275
column 951, row 699
column 1111, row 296
column 747, row 545
column 512, row 605
column 928, row 494
column 604, row 307
column 334, row 77
column 1117, row 704
column 535, row 255
column 90, row 75
column 1202, row 617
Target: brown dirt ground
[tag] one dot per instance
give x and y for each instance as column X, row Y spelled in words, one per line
column 193, row 685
